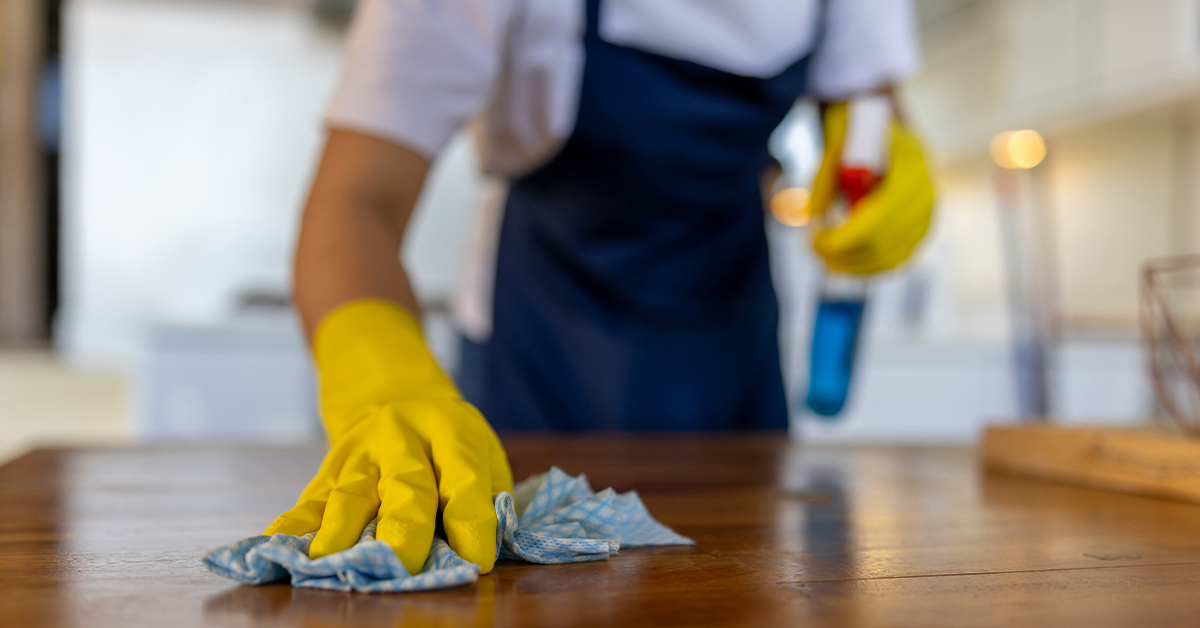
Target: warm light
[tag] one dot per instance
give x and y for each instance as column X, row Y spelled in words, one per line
column 1018, row 149
column 790, row 206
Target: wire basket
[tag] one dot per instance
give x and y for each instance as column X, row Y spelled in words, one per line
column 1170, row 319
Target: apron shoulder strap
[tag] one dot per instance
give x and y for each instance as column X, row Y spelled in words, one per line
column 592, row 19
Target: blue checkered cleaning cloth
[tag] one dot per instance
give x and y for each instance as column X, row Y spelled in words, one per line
column 562, row 520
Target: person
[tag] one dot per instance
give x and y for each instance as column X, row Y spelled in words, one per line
column 631, row 282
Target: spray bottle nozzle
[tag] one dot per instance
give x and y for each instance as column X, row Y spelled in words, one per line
column 856, row 182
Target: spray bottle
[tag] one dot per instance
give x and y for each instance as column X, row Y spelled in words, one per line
column 843, row 297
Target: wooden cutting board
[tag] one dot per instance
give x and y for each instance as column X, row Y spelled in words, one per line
column 1148, row 461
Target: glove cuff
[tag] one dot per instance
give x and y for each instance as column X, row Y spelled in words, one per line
column 370, row 352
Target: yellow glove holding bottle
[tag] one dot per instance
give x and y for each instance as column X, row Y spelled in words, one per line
column 404, row 445
column 886, row 224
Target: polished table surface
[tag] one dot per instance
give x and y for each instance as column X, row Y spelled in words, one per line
column 785, row 535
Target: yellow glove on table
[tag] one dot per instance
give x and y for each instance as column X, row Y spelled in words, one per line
column 886, row 224
column 404, row 445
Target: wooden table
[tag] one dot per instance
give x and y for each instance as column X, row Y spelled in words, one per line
column 785, row 536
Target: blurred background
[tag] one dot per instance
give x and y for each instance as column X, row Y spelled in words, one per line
column 154, row 156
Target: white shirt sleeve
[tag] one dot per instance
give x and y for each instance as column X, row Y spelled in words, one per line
column 416, row 70
column 865, row 44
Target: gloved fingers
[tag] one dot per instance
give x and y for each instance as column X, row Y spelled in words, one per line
column 306, row 515
column 879, row 254
column 825, row 185
column 502, row 479
column 461, row 456
column 882, row 259
column 353, row 502
column 882, row 262
column 408, row 498
column 886, row 262
column 904, row 229
column 299, row 520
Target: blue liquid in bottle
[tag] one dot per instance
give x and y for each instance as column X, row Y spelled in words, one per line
column 834, row 343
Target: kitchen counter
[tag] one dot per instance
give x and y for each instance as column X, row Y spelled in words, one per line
column 785, row 535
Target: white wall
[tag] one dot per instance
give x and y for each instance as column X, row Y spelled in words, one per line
column 1111, row 185
column 992, row 65
column 192, row 130
column 190, row 134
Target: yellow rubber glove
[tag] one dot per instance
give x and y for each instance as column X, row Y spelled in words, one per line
column 886, row 224
column 404, row 445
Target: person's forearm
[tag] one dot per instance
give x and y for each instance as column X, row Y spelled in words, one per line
column 353, row 224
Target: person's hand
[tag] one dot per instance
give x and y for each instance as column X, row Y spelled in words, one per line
column 404, row 446
column 886, row 224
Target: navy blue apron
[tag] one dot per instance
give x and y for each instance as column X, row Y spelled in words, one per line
column 632, row 282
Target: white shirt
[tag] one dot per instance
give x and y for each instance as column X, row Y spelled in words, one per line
column 417, row 70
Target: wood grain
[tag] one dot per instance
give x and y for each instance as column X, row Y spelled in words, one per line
column 785, row 536
column 1151, row 462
